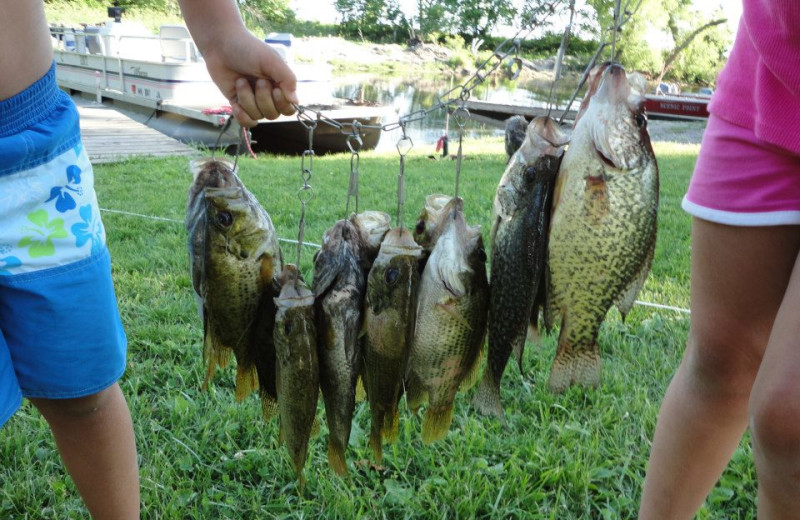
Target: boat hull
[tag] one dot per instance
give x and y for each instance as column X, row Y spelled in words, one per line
column 688, row 108
column 180, row 100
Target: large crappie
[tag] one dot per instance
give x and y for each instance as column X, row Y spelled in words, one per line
column 518, row 237
column 451, row 319
column 233, row 257
column 389, row 325
column 603, row 228
column 340, row 285
column 298, row 366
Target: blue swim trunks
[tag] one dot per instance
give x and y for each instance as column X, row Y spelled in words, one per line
column 60, row 331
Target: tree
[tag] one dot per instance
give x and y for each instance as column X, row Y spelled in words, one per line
column 671, row 58
column 476, row 19
column 374, row 19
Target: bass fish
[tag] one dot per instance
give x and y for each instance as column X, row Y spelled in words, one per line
column 389, row 324
column 520, row 215
column 298, row 366
column 340, row 285
column 233, row 257
column 603, row 229
column 451, row 320
column 516, row 130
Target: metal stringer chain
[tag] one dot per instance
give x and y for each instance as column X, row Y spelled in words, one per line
column 305, row 193
column 354, row 143
column 461, row 116
column 404, row 145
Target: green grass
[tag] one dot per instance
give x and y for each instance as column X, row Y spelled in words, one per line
column 581, row 455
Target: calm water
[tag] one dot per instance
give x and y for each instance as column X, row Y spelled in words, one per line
column 408, row 96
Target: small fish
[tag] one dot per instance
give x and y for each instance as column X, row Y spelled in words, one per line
column 451, row 319
column 603, row 229
column 233, row 257
column 375, row 224
column 428, row 219
column 516, row 129
column 298, row 366
column 389, row 324
column 340, row 285
column 518, row 237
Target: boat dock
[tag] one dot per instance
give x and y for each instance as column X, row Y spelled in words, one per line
column 110, row 136
column 496, row 114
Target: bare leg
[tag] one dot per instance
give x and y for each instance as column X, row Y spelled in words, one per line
column 775, row 413
column 739, row 276
column 95, row 438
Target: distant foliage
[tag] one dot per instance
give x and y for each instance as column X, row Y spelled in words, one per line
column 659, row 27
column 375, row 20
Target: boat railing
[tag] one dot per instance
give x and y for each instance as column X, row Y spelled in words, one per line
column 173, row 44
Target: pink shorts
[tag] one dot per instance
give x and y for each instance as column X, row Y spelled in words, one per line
column 740, row 180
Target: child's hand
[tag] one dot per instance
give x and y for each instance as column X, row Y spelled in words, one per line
column 253, row 76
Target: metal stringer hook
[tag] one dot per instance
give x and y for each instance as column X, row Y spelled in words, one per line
column 461, row 115
column 404, row 145
column 354, row 143
column 305, row 193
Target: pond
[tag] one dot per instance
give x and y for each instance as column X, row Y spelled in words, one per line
column 408, row 96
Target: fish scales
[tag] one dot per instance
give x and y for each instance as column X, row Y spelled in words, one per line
column 298, row 366
column 340, row 288
column 233, row 257
column 519, row 235
column 451, row 320
column 390, row 306
column 603, row 229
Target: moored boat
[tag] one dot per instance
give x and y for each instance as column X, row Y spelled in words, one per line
column 163, row 79
column 690, row 107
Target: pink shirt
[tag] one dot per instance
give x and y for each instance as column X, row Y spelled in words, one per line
column 759, row 88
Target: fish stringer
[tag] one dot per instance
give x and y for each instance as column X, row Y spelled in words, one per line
column 404, row 145
column 306, row 192
column 354, row 143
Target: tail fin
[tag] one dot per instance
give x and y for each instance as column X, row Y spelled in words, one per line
column 519, row 349
column 361, row 391
column 436, row 423
column 391, row 426
column 487, row 398
column 246, row 381
column 336, row 458
column 375, row 441
column 269, row 407
column 575, row 366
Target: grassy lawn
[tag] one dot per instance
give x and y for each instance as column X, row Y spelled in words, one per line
column 581, row 455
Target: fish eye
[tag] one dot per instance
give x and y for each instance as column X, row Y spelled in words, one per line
column 641, row 120
column 391, row 275
column 225, row 219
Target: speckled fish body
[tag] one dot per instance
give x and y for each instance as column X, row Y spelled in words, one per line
column 340, row 284
column 298, row 365
column 603, row 229
column 389, row 328
column 518, row 237
column 233, row 256
column 451, row 319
